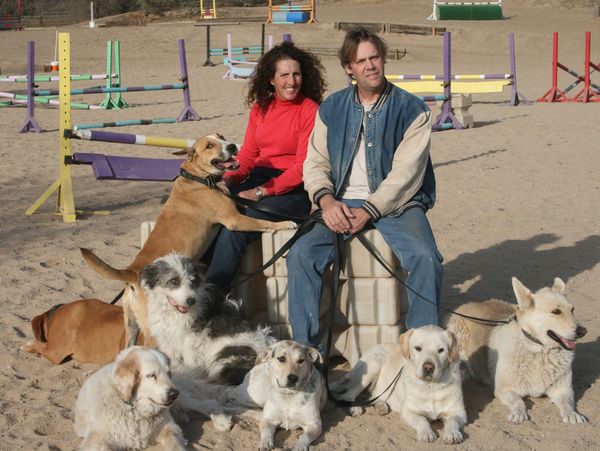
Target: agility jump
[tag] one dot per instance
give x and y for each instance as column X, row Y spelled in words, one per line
column 443, row 10
column 590, row 91
column 290, row 14
column 35, row 96
column 208, row 13
column 449, row 83
column 128, row 168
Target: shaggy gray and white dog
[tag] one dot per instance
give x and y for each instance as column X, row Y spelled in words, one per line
column 201, row 331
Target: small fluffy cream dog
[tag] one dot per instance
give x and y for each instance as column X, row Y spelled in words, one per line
column 288, row 388
column 531, row 355
column 125, row 404
column 428, row 386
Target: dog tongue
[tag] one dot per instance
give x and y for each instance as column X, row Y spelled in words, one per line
column 179, row 308
column 230, row 164
column 569, row 344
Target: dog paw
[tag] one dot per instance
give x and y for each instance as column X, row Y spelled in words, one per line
column 426, row 436
column 574, row 418
column 452, row 437
column 265, row 445
column 291, row 225
column 356, row 411
column 221, row 422
column 518, row 417
column 382, row 408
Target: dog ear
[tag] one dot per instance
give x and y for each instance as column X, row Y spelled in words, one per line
column 126, row 376
column 264, row 355
column 405, row 343
column 453, row 351
column 559, row 286
column 38, row 326
column 189, row 152
column 523, row 294
column 314, row 355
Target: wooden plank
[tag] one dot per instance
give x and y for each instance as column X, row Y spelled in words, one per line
column 376, row 27
column 415, row 29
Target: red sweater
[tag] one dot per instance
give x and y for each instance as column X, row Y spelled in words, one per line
column 278, row 139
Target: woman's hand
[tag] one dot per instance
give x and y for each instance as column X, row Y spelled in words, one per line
column 249, row 194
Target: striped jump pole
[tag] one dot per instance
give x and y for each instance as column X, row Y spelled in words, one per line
column 22, row 98
column 125, row 123
column 49, row 78
column 129, row 138
column 30, row 124
column 101, row 90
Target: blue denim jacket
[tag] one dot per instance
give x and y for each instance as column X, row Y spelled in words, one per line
column 385, row 125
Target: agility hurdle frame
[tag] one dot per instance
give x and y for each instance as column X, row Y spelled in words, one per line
column 435, row 16
column 240, row 69
column 449, row 83
column 208, row 13
column 30, row 124
column 310, row 7
column 230, row 51
column 63, row 185
column 587, row 93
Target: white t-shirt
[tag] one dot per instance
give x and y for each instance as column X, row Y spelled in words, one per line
column 357, row 182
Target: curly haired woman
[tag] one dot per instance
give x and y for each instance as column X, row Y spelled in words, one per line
column 284, row 95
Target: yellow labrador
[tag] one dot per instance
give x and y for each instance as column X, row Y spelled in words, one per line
column 422, row 377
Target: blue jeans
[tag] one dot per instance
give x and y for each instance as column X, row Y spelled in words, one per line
column 229, row 246
column 411, row 240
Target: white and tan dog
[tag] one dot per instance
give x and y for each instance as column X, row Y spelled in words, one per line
column 531, row 355
column 419, row 378
column 288, row 388
column 187, row 223
column 125, row 404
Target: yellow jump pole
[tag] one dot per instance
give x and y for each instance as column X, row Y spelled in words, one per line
column 64, row 184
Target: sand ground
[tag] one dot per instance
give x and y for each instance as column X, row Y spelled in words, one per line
column 517, row 195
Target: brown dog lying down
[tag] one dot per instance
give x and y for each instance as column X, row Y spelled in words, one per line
column 187, row 223
column 88, row 330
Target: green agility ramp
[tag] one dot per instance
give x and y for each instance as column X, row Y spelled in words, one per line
column 466, row 11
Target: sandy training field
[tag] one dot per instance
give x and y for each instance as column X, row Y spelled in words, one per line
column 518, row 195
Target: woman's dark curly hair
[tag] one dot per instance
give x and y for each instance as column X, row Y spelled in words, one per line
column 261, row 90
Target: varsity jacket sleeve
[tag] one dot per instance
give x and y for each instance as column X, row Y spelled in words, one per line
column 408, row 170
column 317, row 167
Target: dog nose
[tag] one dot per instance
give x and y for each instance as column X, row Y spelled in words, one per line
column 292, row 378
column 232, row 148
column 428, row 368
column 580, row 331
column 172, row 394
column 190, row 301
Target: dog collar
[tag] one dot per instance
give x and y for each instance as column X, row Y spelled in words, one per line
column 532, row 338
column 209, row 181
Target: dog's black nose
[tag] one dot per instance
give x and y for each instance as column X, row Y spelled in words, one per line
column 172, row 394
column 580, row 331
column 232, row 148
column 428, row 368
column 190, row 301
column 292, row 378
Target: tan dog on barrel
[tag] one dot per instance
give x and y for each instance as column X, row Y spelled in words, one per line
column 187, row 223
